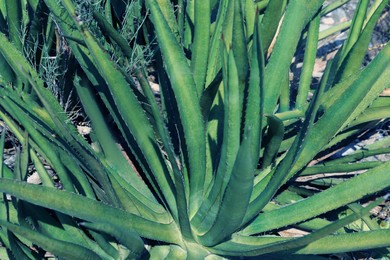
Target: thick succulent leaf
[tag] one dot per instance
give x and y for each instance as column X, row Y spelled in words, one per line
column 6, row 75
column 374, row 180
column 88, row 209
column 14, row 20
column 115, row 159
column 130, row 239
column 348, row 242
column 133, row 203
column 235, row 199
column 279, row 63
column 368, row 85
column 251, row 17
column 45, row 144
column 215, row 59
column 255, row 98
column 187, row 99
column 356, row 27
column 266, row 187
column 57, row 247
column 339, row 168
column 167, row 252
column 2, row 142
column 270, row 22
column 239, row 244
column 239, row 46
column 125, row 99
column 85, row 59
column 205, row 216
column 255, row 246
column 273, row 140
column 168, row 11
column 353, row 60
column 308, row 62
column 200, row 47
column 315, row 135
column 73, row 141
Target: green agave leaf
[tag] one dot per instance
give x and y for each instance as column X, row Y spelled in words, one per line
column 139, row 205
column 4, row 254
column 270, row 22
column 137, row 122
column 241, row 244
column 353, row 60
column 160, row 128
column 6, row 75
column 58, row 226
column 215, row 59
column 90, row 210
column 279, row 63
column 231, row 142
column 374, row 180
column 308, row 62
column 209, row 95
column 167, row 252
column 167, row 10
column 17, row 249
column 184, row 89
column 357, row 26
column 50, row 153
column 24, row 157
column 200, row 47
column 322, row 232
column 369, row 84
column 370, row 115
column 255, row 246
column 239, row 46
column 2, row 142
column 273, row 140
column 236, row 197
column 104, row 242
column 106, row 139
column 334, row 168
column 251, row 17
column 65, row 130
column 3, row 17
column 14, row 20
column 268, row 185
column 131, row 239
column 255, row 99
column 348, row 242
column 57, row 247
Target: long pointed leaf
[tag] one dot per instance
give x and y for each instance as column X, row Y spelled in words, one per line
column 184, row 88
column 88, row 209
column 61, row 248
column 279, row 63
column 358, row 187
column 235, row 199
column 200, row 48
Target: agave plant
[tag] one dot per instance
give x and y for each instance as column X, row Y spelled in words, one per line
column 211, row 164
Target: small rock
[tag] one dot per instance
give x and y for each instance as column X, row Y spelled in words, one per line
column 328, row 21
column 34, row 178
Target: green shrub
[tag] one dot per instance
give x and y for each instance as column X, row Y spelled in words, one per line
column 212, row 163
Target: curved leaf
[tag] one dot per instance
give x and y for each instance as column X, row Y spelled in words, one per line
column 90, row 210
column 57, row 247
